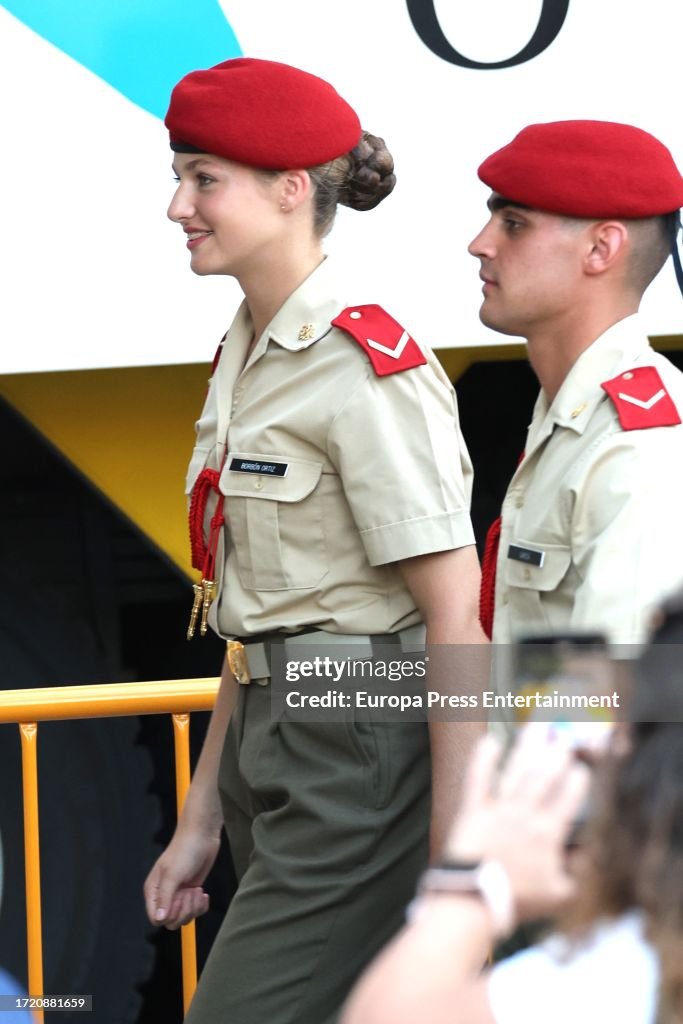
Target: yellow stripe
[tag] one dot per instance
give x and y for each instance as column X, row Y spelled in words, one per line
column 129, row 431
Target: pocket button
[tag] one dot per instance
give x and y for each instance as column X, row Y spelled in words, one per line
column 258, row 484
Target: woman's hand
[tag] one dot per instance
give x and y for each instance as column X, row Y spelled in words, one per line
column 522, row 817
column 173, row 889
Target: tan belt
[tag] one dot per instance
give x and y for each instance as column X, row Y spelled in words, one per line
column 252, row 660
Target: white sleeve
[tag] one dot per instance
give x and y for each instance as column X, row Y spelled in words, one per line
column 613, row 976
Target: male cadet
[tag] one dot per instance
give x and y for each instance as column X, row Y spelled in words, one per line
column 583, row 217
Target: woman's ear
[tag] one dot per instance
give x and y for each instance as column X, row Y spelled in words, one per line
column 295, row 188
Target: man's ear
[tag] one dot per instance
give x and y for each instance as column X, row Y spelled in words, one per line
column 608, row 244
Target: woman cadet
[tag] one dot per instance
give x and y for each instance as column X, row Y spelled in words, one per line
column 330, row 504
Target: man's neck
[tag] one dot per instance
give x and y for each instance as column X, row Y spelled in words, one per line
column 553, row 352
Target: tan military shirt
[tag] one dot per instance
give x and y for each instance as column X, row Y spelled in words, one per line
column 360, row 471
column 592, row 522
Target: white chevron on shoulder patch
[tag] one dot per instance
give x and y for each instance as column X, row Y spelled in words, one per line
column 644, row 404
column 395, row 352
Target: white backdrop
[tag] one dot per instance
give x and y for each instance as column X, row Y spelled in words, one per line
column 92, row 274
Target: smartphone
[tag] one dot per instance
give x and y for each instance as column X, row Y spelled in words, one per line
column 567, row 680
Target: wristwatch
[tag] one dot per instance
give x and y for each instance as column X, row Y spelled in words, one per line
column 486, row 879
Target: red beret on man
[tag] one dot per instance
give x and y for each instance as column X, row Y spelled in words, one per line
column 261, row 113
column 595, row 169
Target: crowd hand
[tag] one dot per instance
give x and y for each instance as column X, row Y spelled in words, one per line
column 173, row 889
column 521, row 816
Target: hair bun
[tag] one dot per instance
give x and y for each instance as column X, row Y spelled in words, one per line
column 371, row 175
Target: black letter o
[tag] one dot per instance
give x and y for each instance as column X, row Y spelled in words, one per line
column 426, row 24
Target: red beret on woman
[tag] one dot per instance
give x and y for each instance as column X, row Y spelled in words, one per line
column 262, row 114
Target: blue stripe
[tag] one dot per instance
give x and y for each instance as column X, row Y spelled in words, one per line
column 140, row 47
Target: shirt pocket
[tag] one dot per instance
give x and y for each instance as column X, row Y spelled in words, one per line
column 530, row 586
column 277, row 522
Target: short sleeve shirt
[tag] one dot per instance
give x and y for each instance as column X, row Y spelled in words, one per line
column 330, row 473
column 591, row 535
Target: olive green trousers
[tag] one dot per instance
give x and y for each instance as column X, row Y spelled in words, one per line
column 328, row 827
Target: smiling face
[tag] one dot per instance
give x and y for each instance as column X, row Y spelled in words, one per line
column 531, row 266
column 230, row 213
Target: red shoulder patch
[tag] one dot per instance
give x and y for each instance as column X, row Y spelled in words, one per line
column 389, row 347
column 641, row 399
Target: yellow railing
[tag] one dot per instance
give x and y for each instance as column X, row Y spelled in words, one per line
column 29, row 707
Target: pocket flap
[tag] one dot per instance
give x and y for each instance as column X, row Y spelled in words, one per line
column 555, row 560
column 276, row 477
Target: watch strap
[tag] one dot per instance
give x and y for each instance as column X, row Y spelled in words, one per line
column 486, row 879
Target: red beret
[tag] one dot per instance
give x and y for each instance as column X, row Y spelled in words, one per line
column 586, row 169
column 262, row 114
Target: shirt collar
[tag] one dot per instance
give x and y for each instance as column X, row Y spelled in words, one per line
column 305, row 317
column 622, row 345
column 307, row 314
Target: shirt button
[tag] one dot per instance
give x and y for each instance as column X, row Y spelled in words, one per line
column 258, row 484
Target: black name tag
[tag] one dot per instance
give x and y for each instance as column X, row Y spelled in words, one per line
column 527, row 555
column 252, row 466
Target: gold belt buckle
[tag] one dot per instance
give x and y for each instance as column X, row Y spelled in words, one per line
column 237, row 662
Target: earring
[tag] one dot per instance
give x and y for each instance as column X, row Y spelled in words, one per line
column 283, row 207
